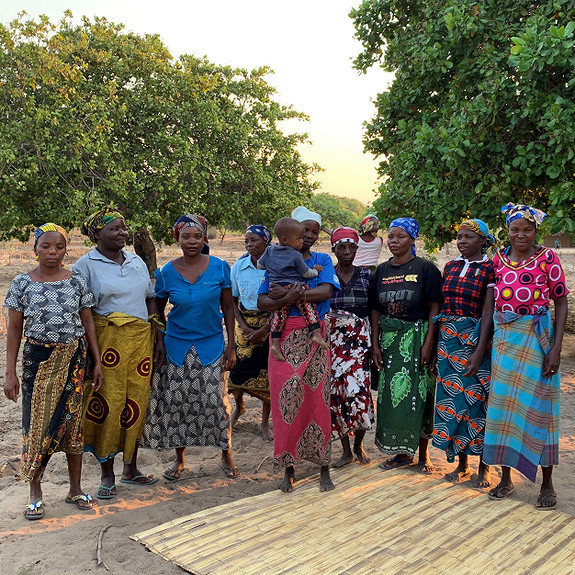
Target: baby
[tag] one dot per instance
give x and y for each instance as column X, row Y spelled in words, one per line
column 285, row 266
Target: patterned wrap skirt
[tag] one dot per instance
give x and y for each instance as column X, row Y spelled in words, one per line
column 250, row 374
column 114, row 416
column 460, row 402
column 300, row 397
column 52, row 398
column 522, row 429
column 351, row 402
column 189, row 406
column 406, row 389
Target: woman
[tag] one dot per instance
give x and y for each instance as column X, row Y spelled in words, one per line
column 464, row 357
column 405, row 296
column 522, row 429
column 52, row 307
column 189, row 404
column 250, row 374
column 369, row 243
column 124, row 311
column 350, row 340
column 299, row 386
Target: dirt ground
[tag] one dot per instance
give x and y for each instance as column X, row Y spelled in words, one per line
column 66, row 539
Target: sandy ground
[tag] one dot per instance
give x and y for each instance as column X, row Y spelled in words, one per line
column 66, row 538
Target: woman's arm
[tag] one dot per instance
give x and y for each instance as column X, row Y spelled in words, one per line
column 13, row 339
column 319, row 293
column 269, row 301
column 227, row 305
column 375, row 349
column 156, row 306
column 246, row 329
column 426, row 353
column 97, row 374
column 553, row 358
column 485, row 335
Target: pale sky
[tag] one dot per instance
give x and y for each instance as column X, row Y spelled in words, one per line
column 308, row 43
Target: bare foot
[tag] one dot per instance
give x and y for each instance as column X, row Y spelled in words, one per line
column 344, row 460
column 267, row 433
column 277, row 352
column 361, row 455
column 325, row 482
column 316, row 338
column 239, row 410
column 483, row 478
column 460, row 473
column 287, row 482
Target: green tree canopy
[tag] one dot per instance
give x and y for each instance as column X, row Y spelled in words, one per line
column 93, row 115
column 481, row 111
column 338, row 211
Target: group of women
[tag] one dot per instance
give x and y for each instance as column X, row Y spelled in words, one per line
column 402, row 323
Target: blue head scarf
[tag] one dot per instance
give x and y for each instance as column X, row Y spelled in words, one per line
column 409, row 225
column 262, row 232
column 481, row 228
column 516, row 211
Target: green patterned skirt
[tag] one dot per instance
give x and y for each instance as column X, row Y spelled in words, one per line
column 406, row 389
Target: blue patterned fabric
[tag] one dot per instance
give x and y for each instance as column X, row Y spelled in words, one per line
column 262, row 232
column 516, row 211
column 409, row 225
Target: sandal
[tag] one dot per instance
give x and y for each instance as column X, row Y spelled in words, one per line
column 231, row 471
column 395, row 463
column 500, row 493
column 75, row 500
column 546, row 495
column 140, row 480
column 37, row 509
column 426, row 468
column 106, row 492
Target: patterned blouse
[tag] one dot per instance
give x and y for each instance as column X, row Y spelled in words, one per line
column 354, row 295
column 465, row 285
column 522, row 287
column 51, row 309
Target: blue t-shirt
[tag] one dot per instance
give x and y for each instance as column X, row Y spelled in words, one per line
column 326, row 276
column 285, row 265
column 195, row 318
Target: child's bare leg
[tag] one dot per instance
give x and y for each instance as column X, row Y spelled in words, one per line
column 276, row 349
column 316, row 338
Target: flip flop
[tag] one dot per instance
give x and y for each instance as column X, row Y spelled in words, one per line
column 231, row 472
column 140, row 480
column 507, row 491
column 544, row 494
column 176, row 474
column 37, row 508
column 75, row 500
column 425, row 468
column 108, row 492
column 394, row 463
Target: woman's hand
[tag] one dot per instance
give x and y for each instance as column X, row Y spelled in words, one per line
column 159, row 351
column 294, row 292
column 12, row 387
column 258, row 335
column 97, row 376
column 551, row 362
column 473, row 363
column 426, row 353
column 229, row 358
column 376, row 356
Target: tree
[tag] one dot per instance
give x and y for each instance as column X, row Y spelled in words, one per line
column 92, row 115
column 338, row 211
column 481, row 110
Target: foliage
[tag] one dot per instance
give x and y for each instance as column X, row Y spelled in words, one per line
column 481, row 111
column 338, row 211
column 93, row 115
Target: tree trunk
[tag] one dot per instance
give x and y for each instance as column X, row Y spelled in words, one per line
column 145, row 248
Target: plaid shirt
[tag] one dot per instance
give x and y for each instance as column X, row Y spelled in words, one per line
column 465, row 285
column 354, row 295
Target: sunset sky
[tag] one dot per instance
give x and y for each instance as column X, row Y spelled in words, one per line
column 308, row 43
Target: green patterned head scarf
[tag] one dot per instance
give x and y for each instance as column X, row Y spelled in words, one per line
column 99, row 220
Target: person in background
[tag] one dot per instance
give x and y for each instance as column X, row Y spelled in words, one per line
column 250, row 374
column 405, row 295
column 51, row 306
column 126, row 320
column 350, row 344
column 464, row 352
column 369, row 243
column 522, row 428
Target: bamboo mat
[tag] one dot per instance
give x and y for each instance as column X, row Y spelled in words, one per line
column 374, row 522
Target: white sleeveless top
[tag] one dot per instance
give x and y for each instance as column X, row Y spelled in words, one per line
column 368, row 252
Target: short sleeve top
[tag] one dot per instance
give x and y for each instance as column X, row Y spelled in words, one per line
column 327, row 275
column 195, row 318
column 246, row 280
column 465, row 286
column 523, row 287
column 405, row 291
column 121, row 288
column 354, row 295
column 51, row 309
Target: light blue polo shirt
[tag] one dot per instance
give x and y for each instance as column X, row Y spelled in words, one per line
column 246, row 280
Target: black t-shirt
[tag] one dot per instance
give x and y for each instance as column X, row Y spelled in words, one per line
column 405, row 291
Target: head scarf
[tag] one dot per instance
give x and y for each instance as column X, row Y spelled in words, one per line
column 344, row 235
column 516, row 211
column 479, row 227
column 49, row 227
column 369, row 224
column 191, row 221
column 302, row 214
column 99, row 220
column 261, row 231
column 408, row 225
